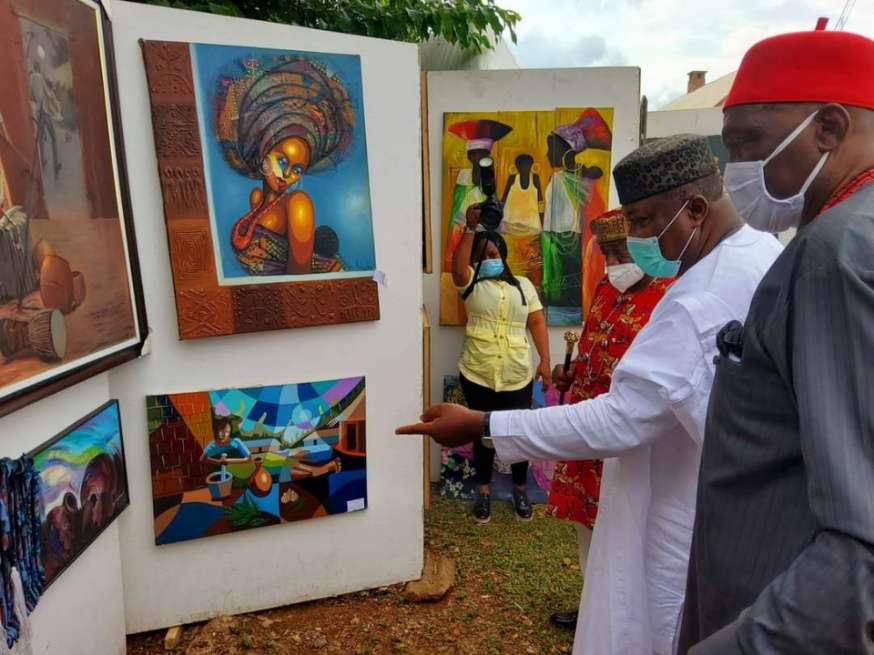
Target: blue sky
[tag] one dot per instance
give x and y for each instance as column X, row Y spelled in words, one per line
column 666, row 38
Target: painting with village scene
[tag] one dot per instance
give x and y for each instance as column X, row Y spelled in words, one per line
column 83, row 480
column 553, row 177
column 67, row 289
column 234, row 459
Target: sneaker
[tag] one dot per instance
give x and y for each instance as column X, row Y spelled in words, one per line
column 521, row 504
column 482, row 508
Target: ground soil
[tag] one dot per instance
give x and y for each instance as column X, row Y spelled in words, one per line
column 511, row 575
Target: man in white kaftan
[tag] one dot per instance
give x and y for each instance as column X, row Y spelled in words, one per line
column 649, row 427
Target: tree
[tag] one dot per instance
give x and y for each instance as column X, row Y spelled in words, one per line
column 468, row 24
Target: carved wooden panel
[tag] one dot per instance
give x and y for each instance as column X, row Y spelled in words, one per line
column 204, row 307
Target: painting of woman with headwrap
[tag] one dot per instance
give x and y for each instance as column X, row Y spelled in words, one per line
column 293, row 124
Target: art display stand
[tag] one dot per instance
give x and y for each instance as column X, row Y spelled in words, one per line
column 123, row 582
column 519, row 90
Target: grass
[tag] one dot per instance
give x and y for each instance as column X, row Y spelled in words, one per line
column 529, row 568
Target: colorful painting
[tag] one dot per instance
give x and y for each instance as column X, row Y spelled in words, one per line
column 263, row 162
column 457, row 473
column 552, row 170
column 719, row 150
column 69, row 288
column 236, row 459
column 84, row 486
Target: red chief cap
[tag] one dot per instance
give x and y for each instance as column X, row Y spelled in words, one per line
column 817, row 66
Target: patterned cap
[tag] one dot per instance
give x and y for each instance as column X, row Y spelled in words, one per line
column 610, row 226
column 662, row 165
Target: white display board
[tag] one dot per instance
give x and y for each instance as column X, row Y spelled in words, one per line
column 82, row 612
column 271, row 566
column 519, row 90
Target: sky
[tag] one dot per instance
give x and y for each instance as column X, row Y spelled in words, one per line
column 665, row 38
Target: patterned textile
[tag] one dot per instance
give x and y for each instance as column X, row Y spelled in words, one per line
column 662, row 165
column 20, row 544
column 259, row 107
column 613, row 321
column 266, row 254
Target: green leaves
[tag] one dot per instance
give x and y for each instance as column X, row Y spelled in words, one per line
column 468, row 24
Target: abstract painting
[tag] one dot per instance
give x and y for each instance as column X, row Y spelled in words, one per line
column 84, row 486
column 552, row 170
column 235, row 459
column 262, row 158
column 70, row 298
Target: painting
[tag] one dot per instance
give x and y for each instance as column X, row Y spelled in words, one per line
column 262, row 157
column 457, row 472
column 70, row 297
column 719, row 150
column 552, row 171
column 84, row 486
column 235, row 459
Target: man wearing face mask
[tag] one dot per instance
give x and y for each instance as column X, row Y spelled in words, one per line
column 622, row 303
column 649, row 427
column 783, row 554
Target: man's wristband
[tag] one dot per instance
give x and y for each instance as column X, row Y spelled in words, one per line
column 487, row 427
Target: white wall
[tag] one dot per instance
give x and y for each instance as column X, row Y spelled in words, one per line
column 82, row 613
column 520, row 90
column 282, row 564
column 705, row 122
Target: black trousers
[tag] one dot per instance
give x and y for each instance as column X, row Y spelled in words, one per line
column 488, row 400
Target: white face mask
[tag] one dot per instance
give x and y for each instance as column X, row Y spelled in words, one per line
column 745, row 183
column 624, row 276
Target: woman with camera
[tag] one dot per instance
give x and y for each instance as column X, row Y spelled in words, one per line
column 496, row 367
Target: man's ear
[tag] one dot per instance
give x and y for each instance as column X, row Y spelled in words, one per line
column 698, row 209
column 832, row 126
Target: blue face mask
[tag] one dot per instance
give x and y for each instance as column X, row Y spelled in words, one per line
column 647, row 253
column 490, row 268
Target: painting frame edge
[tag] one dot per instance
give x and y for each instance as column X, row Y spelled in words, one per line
column 33, row 393
column 65, row 432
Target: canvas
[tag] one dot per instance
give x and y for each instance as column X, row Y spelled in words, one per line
column 457, row 473
column 70, row 298
column 84, row 486
column 553, row 176
column 234, row 459
column 262, row 158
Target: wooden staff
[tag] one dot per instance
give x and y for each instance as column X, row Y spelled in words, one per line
column 570, row 340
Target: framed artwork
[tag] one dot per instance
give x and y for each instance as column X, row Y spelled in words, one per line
column 262, row 158
column 552, row 171
column 84, row 486
column 235, row 459
column 70, row 293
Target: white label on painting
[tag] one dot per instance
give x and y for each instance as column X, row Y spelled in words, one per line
column 355, row 505
column 379, row 277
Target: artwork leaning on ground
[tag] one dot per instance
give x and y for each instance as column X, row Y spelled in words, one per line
column 552, row 170
column 83, row 485
column 457, row 472
column 262, row 156
column 234, row 459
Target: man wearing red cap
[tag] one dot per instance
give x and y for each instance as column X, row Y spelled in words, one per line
column 783, row 550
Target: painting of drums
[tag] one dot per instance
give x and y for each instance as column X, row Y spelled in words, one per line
column 68, row 303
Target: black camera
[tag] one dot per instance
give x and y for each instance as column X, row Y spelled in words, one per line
column 492, row 210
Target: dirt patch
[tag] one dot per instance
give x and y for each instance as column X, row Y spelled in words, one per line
column 510, row 576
